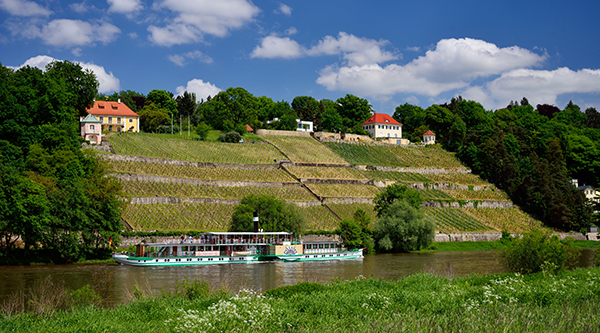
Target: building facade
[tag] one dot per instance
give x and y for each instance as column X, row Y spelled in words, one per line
column 429, row 138
column 91, row 129
column 380, row 125
column 115, row 116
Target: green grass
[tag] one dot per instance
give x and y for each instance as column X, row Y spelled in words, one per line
column 454, row 220
column 466, row 246
column 319, row 218
column 180, row 216
column 346, row 211
column 567, row 302
column 165, row 146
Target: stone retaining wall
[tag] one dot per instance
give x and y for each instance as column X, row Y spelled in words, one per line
column 335, row 181
column 282, row 133
column 191, row 181
column 172, row 200
column 127, row 158
column 492, row 236
column 469, row 204
column 347, row 200
column 424, row 171
column 104, row 146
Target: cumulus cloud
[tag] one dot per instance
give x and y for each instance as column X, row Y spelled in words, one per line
column 277, row 47
column 108, row 82
column 81, row 7
column 200, row 88
column 180, row 59
column 194, row 18
column 124, row 6
column 354, row 50
column 284, row 9
column 539, row 86
column 291, row 31
column 451, row 65
column 68, row 33
column 24, row 8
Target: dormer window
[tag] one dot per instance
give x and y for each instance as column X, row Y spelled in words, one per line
column 387, row 121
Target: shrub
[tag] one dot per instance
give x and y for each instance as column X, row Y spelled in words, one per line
column 231, row 137
column 403, row 228
column 597, row 256
column 539, row 251
column 202, row 130
column 193, row 289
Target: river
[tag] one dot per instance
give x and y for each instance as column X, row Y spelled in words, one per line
column 118, row 281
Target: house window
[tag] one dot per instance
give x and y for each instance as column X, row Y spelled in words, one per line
column 110, row 120
column 118, row 120
column 110, row 128
column 118, row 129
column 92, row 128
column 130, row 120
column 101, row 119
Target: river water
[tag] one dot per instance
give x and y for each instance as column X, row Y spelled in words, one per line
column 118, row 281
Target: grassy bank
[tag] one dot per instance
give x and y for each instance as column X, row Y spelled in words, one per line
column 568, row 302
column 491, row 245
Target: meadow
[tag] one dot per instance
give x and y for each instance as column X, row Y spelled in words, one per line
column 149, row 145
column 566, row 302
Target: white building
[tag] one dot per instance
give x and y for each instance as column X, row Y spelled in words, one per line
column 380, row 125
column 429, row 138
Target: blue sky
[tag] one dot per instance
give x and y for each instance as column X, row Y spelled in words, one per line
column 390, row 52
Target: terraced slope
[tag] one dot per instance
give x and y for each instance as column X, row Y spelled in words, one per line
column 396, row 156
column 147, row 145
column 308, row 172
column 304, row 149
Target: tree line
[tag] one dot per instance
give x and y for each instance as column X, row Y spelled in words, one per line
column 55, row 201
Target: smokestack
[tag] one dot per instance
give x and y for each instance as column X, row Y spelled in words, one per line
column 119, row 101
column 255, row 220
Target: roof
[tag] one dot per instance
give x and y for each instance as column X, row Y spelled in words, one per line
column 429, row 133
column 110, row 108
column 90, row 118
column 248, row 128
column 381, row 118
column 584, row 187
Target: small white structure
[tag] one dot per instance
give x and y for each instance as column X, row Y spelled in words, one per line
column 429, row 138
column 380, row 125
column 304, row 126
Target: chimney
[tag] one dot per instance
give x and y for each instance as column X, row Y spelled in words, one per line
column 119, row 101
column 255, row 220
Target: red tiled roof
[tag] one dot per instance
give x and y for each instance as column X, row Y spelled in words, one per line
column 381, row 118
column 248, row 128
column 109, row 108
column 429, row 133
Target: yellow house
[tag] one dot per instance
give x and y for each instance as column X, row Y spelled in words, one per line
column 115, row 116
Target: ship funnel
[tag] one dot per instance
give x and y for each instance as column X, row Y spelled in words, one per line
column 255, row 220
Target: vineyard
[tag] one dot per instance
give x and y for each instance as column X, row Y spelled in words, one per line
column 320, row 218
column 304, row 149
column 180, row 190
column 431, row 194
column 344, row 190
column 454, row 220
column 402, row 177
column 195, row 151
column 513, row 219
column 346, row 211
column 458, row 178
column 396, row 156
column 476, row 195
column 187, row 171
column 179, row 217
column 304, row 172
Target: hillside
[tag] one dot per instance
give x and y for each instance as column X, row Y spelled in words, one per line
column 178, row 185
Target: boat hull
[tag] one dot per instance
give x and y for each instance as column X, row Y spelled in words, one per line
column 323, row 256
column 183, row 261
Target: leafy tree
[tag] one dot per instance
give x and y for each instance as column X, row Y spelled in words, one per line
column 593, row 118
column 286, row 123
column 186, row 104
column 353, row 110
column 273, row 214
column 331, row 120
column 547, row 110
column 393, row 193
column 231, row 137
column 230, row 107
column 163, row 100
column 403, row 228
column 539, row 251
column 80, row 84
column 153, row 117
column 412, row 118
column 202, row 130
column 351, row 233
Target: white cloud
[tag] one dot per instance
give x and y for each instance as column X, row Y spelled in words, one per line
column 81, row 7
column 124, row 6
column 180, row 59
column 200, row 88
column 539, row 86
column 291, row 31
column 24, row 8
column 194, row 18
column 108, row 82
column 76, row 51
column 68, row 33
column 355, row 50
column 284, row 9
column 451, row 65
column 277, row 47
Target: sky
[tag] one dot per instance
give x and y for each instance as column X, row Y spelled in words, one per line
column 389, row 52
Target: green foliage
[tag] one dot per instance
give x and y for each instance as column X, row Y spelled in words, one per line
column 353, row 110
column 193, row 289
column 396, row 192
column 402, row 227
column 231, row 137
column 152, row 117
column 163, row 100
column 287, row 292
column 596, row 257
column 351, row 233
column 274, row 215
column 356, row 232
column 202, row 130
column 537, row 250
column 85, row 297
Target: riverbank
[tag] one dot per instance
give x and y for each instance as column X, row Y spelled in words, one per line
column 566, row 302
column 490, row 246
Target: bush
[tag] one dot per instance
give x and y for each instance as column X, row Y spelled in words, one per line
column 403, row 228
column 597, row 256
column 202, row 130
column 232, row 137
column 539, row 251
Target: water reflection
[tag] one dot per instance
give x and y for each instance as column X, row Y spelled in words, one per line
column 118, row 281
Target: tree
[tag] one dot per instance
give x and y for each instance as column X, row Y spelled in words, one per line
column 353, row 110
column 163, row 100
column 80, row 84
column 202, row 130
column 186, row 104
column 351, row 233
column 229, row 108
column 411, row 117
column 152, row 117
column 231, row 137
column 403, row 228
column 393, row 193
column 273, row 214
